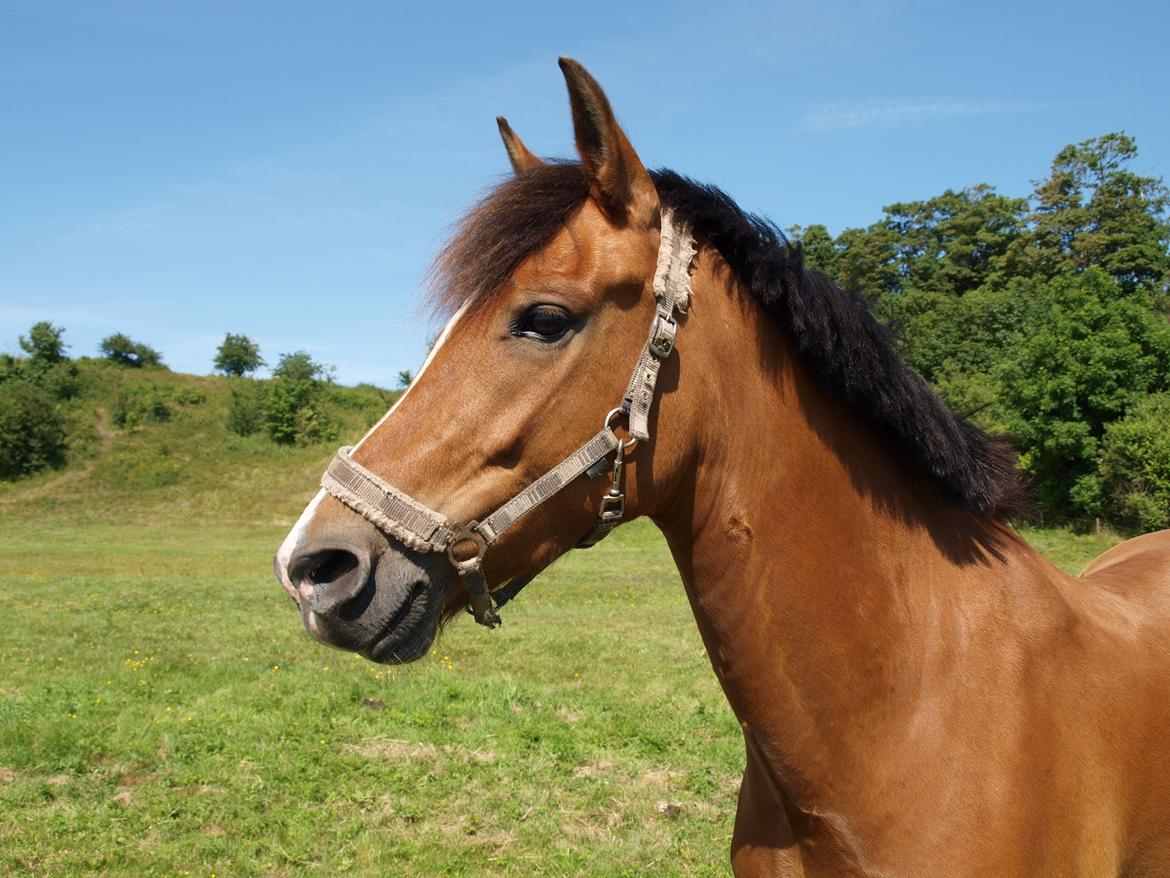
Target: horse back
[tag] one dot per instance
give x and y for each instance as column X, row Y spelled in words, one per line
column 1137, row 569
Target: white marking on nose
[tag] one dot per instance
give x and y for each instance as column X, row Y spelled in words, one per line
column 289, row 547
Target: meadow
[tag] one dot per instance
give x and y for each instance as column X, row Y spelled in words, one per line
column 162, row 713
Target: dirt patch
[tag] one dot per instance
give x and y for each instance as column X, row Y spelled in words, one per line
column 7, row 775
column 394, row 750
column 670, row 810
column 124, row 798
column 594, row 768
column 572, row 717
column 59, row 780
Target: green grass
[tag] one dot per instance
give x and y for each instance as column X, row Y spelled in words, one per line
column 163, row 713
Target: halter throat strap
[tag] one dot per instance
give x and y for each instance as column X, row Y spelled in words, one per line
column 423, row 529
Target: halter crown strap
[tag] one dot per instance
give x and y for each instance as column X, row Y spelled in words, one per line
column 421, row 528
column 672, row 291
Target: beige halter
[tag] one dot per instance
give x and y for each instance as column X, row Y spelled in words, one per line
column 425, row 530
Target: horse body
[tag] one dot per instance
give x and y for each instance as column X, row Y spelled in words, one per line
column 920, row 692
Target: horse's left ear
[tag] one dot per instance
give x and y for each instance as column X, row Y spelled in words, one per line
column 620, row 181
column 522, row 158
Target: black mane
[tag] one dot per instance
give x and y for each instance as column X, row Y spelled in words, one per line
column 832, row 330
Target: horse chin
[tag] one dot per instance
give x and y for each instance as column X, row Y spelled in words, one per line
column 407, row 615
column 408, row 634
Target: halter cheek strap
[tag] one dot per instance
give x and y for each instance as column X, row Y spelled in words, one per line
column 421, row 528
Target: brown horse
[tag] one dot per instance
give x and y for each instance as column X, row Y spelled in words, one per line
column 921, row 694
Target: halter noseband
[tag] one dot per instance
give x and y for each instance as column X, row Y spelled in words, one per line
column 417, row 526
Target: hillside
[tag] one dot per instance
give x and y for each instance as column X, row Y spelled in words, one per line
column 153, row 446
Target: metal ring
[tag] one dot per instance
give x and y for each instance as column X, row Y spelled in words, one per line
column 626, row 446
column 466, row 533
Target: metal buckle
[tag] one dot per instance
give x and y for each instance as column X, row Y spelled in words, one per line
column 662, row 336
column 466, row 533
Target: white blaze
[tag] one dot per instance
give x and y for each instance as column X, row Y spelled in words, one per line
column 292, row 542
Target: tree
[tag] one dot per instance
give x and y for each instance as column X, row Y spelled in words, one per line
column 953, row 243
column 238, row 356
column 1093, row 210
column 124, row 351
column 44, row 345
column 1093, row 354
column 291, row 401
column 32, row 430
column 299, row 366
column 405, row 377
column 1135, row 466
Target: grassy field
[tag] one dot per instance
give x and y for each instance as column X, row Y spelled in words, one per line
column 163, row 713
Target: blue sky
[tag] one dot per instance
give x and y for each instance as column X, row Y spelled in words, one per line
column 176, row 171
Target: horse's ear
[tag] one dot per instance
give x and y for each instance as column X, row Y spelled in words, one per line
column 522, row 158
column 620, row 181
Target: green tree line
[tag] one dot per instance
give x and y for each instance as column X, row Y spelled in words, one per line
column 38, row 391
column 1046, row 315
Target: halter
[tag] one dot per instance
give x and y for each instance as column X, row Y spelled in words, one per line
column 425, row 530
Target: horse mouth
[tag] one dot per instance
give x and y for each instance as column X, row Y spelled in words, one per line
column 409, row 631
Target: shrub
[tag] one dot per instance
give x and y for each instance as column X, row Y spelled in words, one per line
column 124, row 351
column 245, row 410
column 32, row 430
column 1135, row 466
column 238, row 356
column 291, row 411
column 1093, row 355
column 140, row 405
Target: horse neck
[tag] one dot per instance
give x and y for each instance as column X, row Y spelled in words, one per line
column 814, row 555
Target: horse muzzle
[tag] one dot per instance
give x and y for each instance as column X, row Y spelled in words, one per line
column 366, row 594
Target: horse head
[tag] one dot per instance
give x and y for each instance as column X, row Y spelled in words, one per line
column 550, row 284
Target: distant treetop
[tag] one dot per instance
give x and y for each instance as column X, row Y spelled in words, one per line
column 238, row 356
column 124, row 351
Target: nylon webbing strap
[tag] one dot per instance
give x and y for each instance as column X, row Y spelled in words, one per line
column 399, row 514
column 672, row 291
column 548, row 484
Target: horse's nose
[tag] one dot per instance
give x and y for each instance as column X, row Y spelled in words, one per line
column 335, row 578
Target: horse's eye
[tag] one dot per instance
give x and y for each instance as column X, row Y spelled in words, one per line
column 544, row 323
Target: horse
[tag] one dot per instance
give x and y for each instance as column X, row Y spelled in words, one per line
column 920, row 692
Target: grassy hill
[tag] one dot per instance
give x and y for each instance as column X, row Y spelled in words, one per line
column 153, row 446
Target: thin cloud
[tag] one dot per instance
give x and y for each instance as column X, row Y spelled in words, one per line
column 837, row 116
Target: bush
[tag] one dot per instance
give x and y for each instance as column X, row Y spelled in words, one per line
column 1135, row 466
column 291, row 410
column 32, row 430
column 245, row 410
column 1094, row 354
column 140, row 405
column 238, row 356
column 124, row 351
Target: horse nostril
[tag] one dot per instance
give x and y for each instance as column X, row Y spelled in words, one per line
column 335, row 578
column 333, row 566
